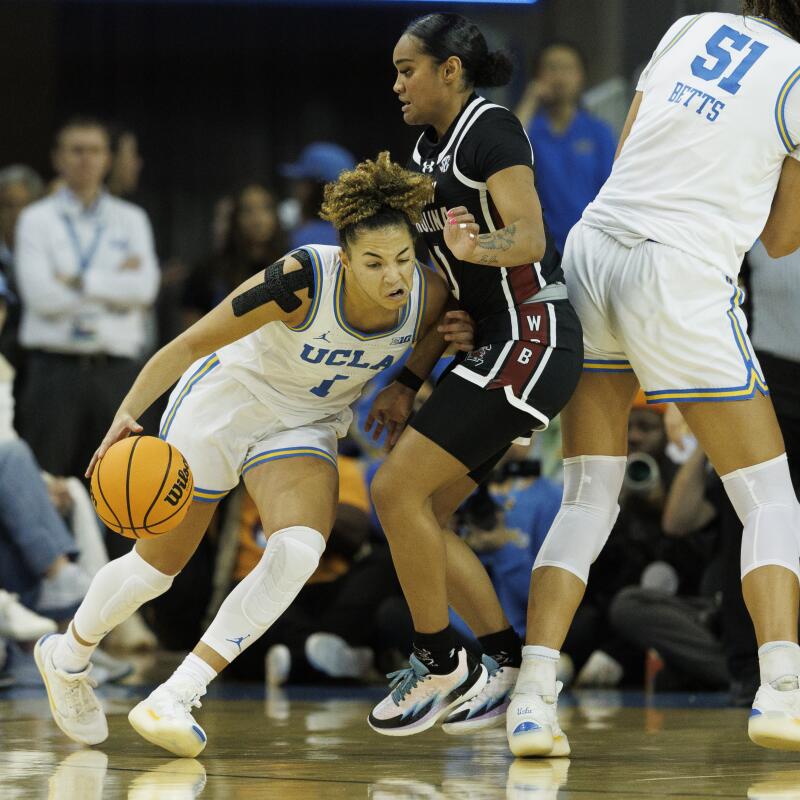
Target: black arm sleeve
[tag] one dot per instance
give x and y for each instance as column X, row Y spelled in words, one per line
column 277, row 287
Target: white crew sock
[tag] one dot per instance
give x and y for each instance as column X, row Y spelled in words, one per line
column 194, row 670
column 70, row 655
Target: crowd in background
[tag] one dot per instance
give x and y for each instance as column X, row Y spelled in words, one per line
column 84, row 299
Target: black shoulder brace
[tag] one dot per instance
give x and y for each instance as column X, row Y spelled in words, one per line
column 277, row 287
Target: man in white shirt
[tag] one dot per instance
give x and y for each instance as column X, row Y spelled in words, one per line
column 87, row 273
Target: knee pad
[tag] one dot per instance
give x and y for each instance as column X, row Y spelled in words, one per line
column 588, row 512
column 117, row 590
column 290, row 559
column 765, row 502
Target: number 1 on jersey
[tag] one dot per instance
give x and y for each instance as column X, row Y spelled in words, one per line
column 704, row 69
column 324, row 389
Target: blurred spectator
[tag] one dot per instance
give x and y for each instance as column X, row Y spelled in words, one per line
column 638, row 553
column 254, row 240
column 126, row 163
column 335, row 626
column 682, row 627
column 87, row 273
column 19, row 187
column 318, row 164
column 573, row 150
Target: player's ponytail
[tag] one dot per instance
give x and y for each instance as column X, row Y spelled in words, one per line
column 374, row 195
column 444, row 35
column 495, row 70
column 785, row 13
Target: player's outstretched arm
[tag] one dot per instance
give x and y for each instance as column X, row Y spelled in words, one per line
column 282, row 292
column 521, row 241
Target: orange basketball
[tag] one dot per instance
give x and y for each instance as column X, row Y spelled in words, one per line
column 142, row 487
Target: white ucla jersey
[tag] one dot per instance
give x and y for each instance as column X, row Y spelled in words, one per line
column 319, row 368
column 719, row 114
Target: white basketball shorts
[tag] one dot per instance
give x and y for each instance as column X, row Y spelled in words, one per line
column 671, row 318
column 224, row 431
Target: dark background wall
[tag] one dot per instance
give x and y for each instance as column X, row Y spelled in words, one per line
column 222, row 93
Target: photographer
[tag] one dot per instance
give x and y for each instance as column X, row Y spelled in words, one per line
column 676, row 612
column 638, row 559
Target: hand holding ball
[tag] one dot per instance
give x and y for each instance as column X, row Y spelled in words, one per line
column 142, row 487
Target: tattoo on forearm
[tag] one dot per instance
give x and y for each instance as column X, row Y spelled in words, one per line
column 503, row 239
column 488, row 259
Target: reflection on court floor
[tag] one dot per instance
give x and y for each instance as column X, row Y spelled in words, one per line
column 316, row 744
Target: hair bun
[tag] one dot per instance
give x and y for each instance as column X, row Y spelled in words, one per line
column 495, row 70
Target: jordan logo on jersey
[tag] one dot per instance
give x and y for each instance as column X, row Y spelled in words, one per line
column 341, row 357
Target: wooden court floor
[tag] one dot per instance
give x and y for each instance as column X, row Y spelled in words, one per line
column 322, row 748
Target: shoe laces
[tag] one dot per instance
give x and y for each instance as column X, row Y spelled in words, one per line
column 77, row 694
column 184, row 698
column 404, row 681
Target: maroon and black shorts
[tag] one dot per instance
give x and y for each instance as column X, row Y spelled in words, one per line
column 504, row 390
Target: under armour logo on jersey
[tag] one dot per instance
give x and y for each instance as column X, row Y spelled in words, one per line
column 445, row 164
column 427, row 166
column 238, row 641
column 323, row 337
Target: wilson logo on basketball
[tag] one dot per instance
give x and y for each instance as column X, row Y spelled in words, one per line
column 174, row 495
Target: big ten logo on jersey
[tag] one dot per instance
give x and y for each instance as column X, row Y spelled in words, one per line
column 721, row 64
column 342, row 357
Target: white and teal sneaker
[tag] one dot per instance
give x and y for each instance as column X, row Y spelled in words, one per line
column 532, row 724
column 775, row 719
column 488, row 707
column 420, row 698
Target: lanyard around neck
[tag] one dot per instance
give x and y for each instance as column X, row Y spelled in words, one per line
column 85, row 257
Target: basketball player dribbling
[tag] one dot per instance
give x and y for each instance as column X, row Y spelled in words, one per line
column 707, row 163
column 267, row 381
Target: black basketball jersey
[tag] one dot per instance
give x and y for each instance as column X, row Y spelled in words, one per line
column 482, row 140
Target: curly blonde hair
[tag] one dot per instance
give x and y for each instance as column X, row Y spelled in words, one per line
column 375, row 194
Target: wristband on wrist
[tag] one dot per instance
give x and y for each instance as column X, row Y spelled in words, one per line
column 407, row 378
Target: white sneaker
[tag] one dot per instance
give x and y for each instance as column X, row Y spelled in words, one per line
column 116, row 669
column 488, row 707
column 20, row 623
column 80, row 774
column 278, row 665
column 543, row 778
column 532, row 725
column 73, row 704
column 600, row 671
column 419, row 698
column 63, row 591
column 775, row 719
column 333, row 656
column 164, row 718
column 132, row 636
column 181, row 779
